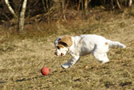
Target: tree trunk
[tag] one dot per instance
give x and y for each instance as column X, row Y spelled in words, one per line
column 10, row 8
column 78, row 8
column 119, row 6
column 22, row 16
column 86, row 7
column 130, row 3
column 63, row 10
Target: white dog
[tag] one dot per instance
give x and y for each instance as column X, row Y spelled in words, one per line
column 78, row 46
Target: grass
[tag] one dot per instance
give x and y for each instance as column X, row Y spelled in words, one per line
column 22, row 56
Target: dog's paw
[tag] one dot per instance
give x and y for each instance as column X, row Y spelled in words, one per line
column 103, row 62
column 65, row 66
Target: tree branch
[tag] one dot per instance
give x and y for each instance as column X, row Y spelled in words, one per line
column 10, row 8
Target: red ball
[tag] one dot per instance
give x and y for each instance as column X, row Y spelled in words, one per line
column 45, row 71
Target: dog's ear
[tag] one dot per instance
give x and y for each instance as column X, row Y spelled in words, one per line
column 66, row 41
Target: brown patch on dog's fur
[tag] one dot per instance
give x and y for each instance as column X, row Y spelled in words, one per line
column 106, row 43
column 65, row 39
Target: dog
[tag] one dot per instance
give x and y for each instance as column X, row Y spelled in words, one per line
column 82, row 45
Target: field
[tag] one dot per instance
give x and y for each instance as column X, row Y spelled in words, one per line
column 23, row 55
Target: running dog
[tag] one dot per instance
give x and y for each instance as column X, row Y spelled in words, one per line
column 82, row 45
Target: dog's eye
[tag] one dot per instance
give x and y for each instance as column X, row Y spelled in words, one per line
column 58, row 47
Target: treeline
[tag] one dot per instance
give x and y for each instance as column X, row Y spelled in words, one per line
column 15, row 11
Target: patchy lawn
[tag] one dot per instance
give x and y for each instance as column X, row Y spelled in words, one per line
column 22, row 57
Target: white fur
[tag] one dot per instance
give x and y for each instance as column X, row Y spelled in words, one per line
column 85, row 44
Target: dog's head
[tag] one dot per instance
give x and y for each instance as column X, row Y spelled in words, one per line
column 62, row 44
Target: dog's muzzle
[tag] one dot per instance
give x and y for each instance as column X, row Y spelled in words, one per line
column 58, row 55
column 62, row 54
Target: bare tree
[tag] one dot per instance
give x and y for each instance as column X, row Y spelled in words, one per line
column 118, row 4
column 130, row 3
column 22, row 16
column 10, row 8
column 84, row 5
column 45, row 5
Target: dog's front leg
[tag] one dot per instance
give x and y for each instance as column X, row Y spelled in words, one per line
column 71, row 62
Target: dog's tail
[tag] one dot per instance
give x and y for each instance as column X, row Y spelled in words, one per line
column 115, row 44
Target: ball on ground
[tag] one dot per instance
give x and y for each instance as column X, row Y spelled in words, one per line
column 45, row 71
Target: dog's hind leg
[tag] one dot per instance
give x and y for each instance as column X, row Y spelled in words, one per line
column 102, row 57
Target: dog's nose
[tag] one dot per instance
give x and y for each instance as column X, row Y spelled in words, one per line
column 62, row 54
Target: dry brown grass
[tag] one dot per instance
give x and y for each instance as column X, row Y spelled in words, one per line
column 23, row 56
